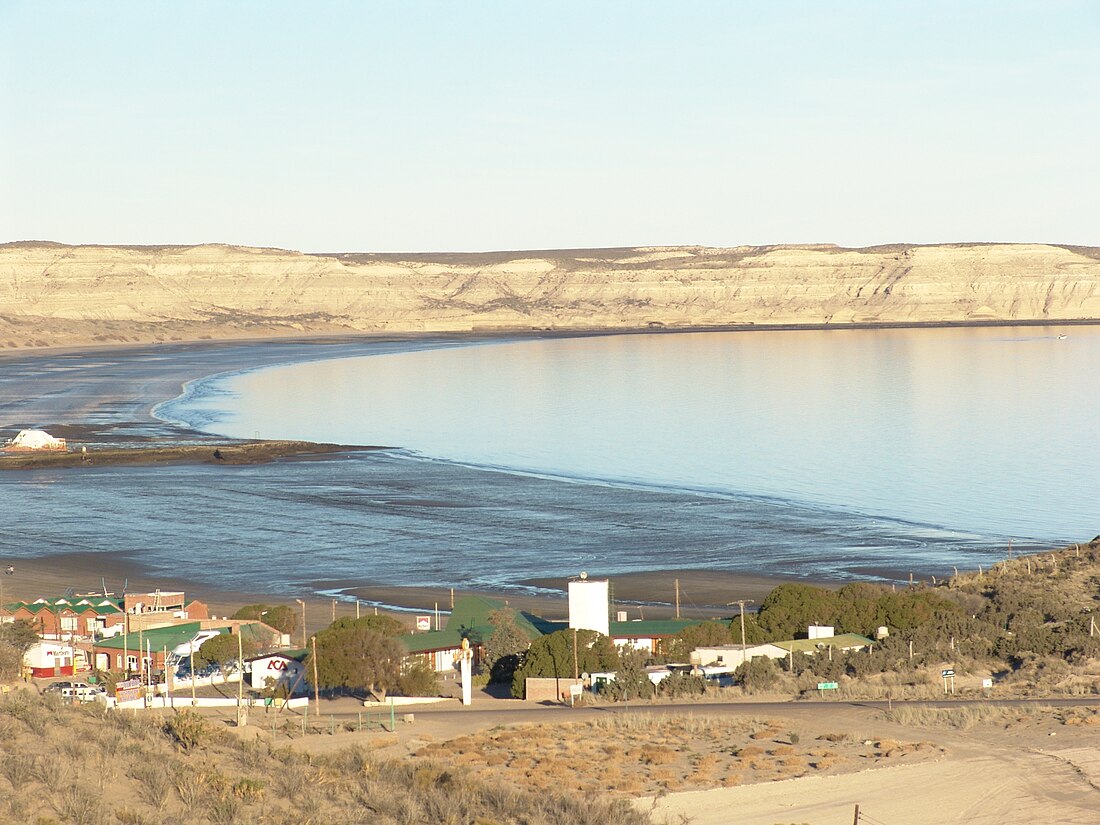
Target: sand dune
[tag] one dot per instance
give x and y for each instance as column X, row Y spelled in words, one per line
column 57, row 295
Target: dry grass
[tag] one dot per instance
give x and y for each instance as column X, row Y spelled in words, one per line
column 965, row 717
column 99, row 768
column 644, row 755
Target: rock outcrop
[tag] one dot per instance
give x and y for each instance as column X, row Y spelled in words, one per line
column 52, row 294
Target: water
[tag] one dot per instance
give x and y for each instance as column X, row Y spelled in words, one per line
column 969, row 434
column 826, row 456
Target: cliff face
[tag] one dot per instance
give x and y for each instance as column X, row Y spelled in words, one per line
column 52, row 294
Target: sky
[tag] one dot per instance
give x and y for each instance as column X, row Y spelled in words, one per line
column 446, row 126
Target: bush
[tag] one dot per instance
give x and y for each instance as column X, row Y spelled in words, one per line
column 187, row 729
column 680, row 683
column 759, row 674
column 418, row 680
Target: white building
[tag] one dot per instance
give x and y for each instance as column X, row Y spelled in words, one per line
column 34, row 440
column 590, row 604
column 284, row 669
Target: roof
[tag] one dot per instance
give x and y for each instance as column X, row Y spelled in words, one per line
column 470, row 620
column 101, row 605
column 159, row 637
column 841, row 641
column 649, row 628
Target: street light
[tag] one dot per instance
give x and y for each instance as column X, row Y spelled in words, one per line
column 303, row 606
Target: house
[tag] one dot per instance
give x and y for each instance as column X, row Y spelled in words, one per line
column 285, row 669
column 47, row 659
column 72, row 617
column 469, row 620
column 31, row 440
column 731, row 655
column 647, row 634
column 144, row 650
column 841, row 643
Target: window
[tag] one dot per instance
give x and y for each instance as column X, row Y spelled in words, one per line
column 68, row 623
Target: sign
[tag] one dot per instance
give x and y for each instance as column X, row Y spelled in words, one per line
column 576, row 691
column 827, row 685
column 947, row 674
column 987, row 683
column 423, row 622
column 128, row 691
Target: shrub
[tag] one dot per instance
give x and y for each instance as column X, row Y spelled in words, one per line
column 757, row 674
column 187, row 729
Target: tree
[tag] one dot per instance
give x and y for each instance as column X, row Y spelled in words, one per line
column 556, row 655
column 418, row 679
column 282, row 617
column 385, row 625
column 21, row 635
column 790, row 608
column 631, row 681
column 357, row 658
column 223, row 651
column 757, row 674
column 704, row 634
column 505, row 647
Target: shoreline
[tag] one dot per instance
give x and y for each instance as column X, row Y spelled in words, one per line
column 504, row 334
column 704, row 593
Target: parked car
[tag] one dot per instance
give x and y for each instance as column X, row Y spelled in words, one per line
column 80, row 691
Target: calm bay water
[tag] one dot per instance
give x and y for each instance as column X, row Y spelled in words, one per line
column 962, row 435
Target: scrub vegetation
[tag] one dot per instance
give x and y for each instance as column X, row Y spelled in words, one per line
column 645, row 755
column 86, row 766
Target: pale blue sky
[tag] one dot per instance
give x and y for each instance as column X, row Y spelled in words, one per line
column 469, row 126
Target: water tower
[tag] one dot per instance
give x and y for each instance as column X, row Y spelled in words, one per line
column 589, row 603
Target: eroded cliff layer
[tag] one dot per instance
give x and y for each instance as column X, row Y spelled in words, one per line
column 52, row 294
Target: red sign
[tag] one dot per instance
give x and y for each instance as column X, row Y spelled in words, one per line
column 128, row 690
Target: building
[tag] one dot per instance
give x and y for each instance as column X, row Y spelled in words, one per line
column 144, row 650
column 47, row 659
column 469, row 620
column 590, row 604
column 647, row 634
column 731, row 655
column 841, row 643
column 285, row 668
column 94, row 616
column 73, row 617
column 32, row 440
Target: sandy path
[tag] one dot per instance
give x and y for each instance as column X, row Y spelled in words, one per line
column 972, row 786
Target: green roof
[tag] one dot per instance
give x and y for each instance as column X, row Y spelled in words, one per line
column 102, row 605
column 841, row 641
column 470, row 620
column 298, row 654
column 158, row 637
column 647, row 628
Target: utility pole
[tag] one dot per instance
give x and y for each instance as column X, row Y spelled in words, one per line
column 302, row 604
column 357, row 609
column 741, row 603
column 576, row 669
column 855, row 821
column 316, row 687
column 334, row 609
column 191, row 653
column 677, row 597
column 240, row 681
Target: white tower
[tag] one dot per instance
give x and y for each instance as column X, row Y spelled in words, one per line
column 589, row 603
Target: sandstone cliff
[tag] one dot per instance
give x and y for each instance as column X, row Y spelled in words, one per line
column 51, row 294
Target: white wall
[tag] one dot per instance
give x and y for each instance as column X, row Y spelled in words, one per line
column 589, row 604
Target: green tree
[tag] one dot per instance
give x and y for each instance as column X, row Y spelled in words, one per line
column 21, row 635
column 222, row 650
column 505, row 647
column 357, row 659
column 681, row 683
column 418, row 679
column 631, row 681
column 790, row 608
column 553, row 655
column 757, row 674
column 382, row 624
column 282, row 617
column 705, row 634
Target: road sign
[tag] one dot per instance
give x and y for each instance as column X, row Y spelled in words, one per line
column 827, row 685
column 945, row 674
column 987, row 683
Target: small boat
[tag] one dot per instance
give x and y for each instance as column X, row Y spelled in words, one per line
column 1061, row 337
